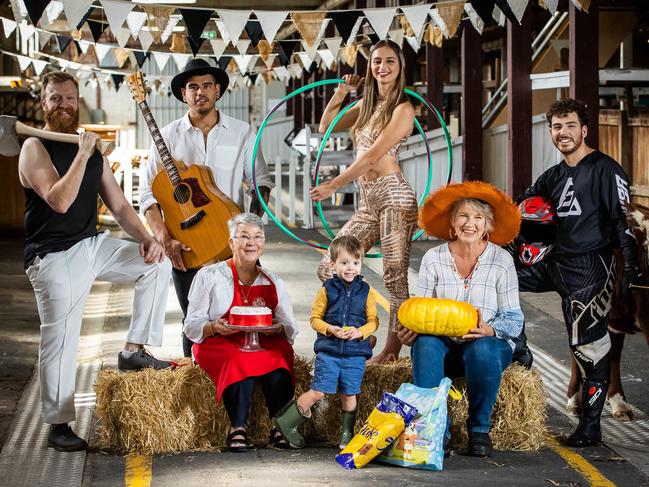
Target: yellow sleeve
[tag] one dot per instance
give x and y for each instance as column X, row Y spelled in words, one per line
column 318, row 311
column 372, row 323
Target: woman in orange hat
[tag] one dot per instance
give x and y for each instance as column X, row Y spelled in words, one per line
column 476, row 219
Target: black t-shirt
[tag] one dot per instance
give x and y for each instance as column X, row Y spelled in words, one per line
column 588, row 199
column 48, row 231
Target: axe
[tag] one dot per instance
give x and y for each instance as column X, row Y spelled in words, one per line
column 11, row 128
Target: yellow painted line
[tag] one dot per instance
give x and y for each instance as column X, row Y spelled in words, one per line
column 579, row 464
column 137, row 471
column 383, row 303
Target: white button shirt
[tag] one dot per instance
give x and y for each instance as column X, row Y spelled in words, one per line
column 228, row 153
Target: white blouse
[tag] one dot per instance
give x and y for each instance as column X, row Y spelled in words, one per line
column 211, row 295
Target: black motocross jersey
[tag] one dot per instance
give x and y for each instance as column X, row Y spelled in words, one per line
column 588, row 199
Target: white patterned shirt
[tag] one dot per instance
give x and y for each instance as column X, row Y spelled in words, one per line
column 492, row 287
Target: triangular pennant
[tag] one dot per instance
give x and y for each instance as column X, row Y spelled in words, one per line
column 161, row 59
column 474, row 18
column 518, row 8
column 504, row 7
column 242, row 46
column 327, row 57
column 146, row 39
column 310, row 25
column 243, row 61
column 122, row 35
column 118, row 79
column 270, row 60
column 173, row 21
column 282, row 73
column 253, row 29
column 121, row 56
column 283, row 60
column 311, row 51
column 83, row 46
column 76, row 10
column 140, row 58
column 218, row 46
column 440, row 21
column 64, row 42
column 135, row 22
column 39, row 65
column 101, row 50
column 96, row 28
column 349, row 54
column 345, row 22
column 224, row 61
column 417, row 16
column 180, row 60
column 8, row 26
column 53, row 10
column 270, row 23
column 288, row 46
column 35, row 9
column 23, row 62
column 63, row 64
column 380, row 19
column 43, row 38
column 233, row 22
column 498, row 16
column 26, row 30
column 582, row 4
column 157, row 20
column 195, row 21
column 333, row 44
column 253, row 77
column 396, row 36
column 484, row 9
column 451, row 14
column 413, row 42
column 195, row 46
column 221, row 28
column 116, row 12
column 305, row 59
column 551, row 5
column 264, row 48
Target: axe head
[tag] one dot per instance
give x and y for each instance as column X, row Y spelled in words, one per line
column 9, row 145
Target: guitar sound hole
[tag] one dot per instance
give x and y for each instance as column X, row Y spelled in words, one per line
column 182, row 194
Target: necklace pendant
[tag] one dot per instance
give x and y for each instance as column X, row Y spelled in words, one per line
column 245, row 300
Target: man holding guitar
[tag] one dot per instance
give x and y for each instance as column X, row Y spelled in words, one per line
column 203, row 136
column 64, row 254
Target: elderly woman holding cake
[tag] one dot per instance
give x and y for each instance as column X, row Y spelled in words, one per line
column 241, row 292
column 475, row 218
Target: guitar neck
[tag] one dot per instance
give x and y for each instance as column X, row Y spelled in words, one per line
column 159, row 142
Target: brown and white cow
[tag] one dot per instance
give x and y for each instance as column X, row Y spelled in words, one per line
column 625, row 318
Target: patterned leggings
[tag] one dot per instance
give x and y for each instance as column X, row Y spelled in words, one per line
column 388, row 211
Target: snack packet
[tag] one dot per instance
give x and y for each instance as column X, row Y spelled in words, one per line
column 382, row 427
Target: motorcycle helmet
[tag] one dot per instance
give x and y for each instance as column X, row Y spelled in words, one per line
column 538, row 230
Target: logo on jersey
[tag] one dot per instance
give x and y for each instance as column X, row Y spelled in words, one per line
column 568, row 203
column 259, row 301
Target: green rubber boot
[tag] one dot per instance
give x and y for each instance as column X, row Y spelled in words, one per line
column 288, row 420
column 349, row 419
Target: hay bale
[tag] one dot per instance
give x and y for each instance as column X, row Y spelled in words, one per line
column 169, row 411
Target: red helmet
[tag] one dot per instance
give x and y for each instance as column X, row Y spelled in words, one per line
column 538, row 230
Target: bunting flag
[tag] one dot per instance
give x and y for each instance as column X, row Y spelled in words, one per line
column 253, row 29
column 135, row 22
column 345, row 22
column 146, row 39
column 116, row 13
column 180, row 60
column 26, row 30
column 140, row 58
column 53, row 10
column 243, row 62
column 233, row 22
column 551, row 5
column 83, row 46
column 582, row 4
column 101, row 50
column 173, row 21
column 484, row 9
column 349, row 54
column 118, row 79
column 380, row 19
column 35, row 9
column 413, row 42
column 270, row 60
column 434, row 36
column 195, row 21
column 265, row 49
column 309, row 24
column 518, row 9
column 76, row 10
column 327, row 57
column 121, row 55
column 474, row 18
column 417, row 16
column 505, row 8
column 221, row 28
column 122, row 35
column 39, row 65
column 96, row 28
column 396, row 36
column 157, row 20
column 310, row 50
column 195, row 46
column 333, row 44
column 63, row 41
column 305, row 58
column 224, row 61
column 270, row 23
column 282, row 73
column 178, row 44
column 8, row 26
column 288, row 46
column 218, row 46
column 23, row 62
column 451, row 14
column 499, row 16
column 242, row 46
column 43, row 38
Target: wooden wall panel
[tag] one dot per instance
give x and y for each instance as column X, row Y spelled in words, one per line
column 12, row 199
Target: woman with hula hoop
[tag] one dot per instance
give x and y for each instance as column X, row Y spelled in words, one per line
column 381, row 121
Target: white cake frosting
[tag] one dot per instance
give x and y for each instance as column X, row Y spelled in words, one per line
column 250, row 310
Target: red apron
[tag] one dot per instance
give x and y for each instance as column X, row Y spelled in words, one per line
column 220, row 356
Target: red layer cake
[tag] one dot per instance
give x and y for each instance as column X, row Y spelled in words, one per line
column 250, row 316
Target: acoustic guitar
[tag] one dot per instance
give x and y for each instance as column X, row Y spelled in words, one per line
column 195, row 210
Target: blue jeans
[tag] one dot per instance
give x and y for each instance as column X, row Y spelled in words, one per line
column 484, row 361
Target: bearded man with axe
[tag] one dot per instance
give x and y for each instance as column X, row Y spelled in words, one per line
column 64, row 254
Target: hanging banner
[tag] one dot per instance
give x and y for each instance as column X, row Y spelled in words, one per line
column 122, row 35
column 76, row 10
column 417, row 16
column 242, row 46
column 116, row 13
column 35, row 9
column 380, row 19
column 253, row 29
column 173, row 21
column 157, row 20
column 146, row 39
column 451, row 14
column 474, row 18
column 233, row 22
column 135, row 21
column 96, row 29
column 218, row 46
column 8, row 26
column 270, row 23
column 345, row 22
column 309, row 24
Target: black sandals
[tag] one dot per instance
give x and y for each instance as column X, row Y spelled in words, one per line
column 277, row 440
column 238, row 441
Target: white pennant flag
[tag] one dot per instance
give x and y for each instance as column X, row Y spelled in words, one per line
column 413, row 41
column 295, row 69
column 224, row 33
column 333, row 44
column 75, row 10
column 39, row 65
column 327, row 57
column 135, row 21
column 233, row 22
column 306, row 59
column 311, row 51
column 270, row 60
column 23, row 62
column 396, row 35
column 63, row 63
column 352, row 36
column 161, row 59
column 476, row 21
column 518, row 8
column 116, row 12
column 53, row 10
column 321, row 34
column 551, row 5
column 218, row 46
column 145, row 39
column 270, row 22
column 101, row 50
column 26, row 30
column 9, row 26
column 417, row 16
column 243, row 61
column 380, row 20
column 43, row 38
column 122, row 34
column 173, row 21
column 180, row 60
column 282, row 73
column 19, row 9
column 499, row 16
column 441, row 23
column 84, row 45
column 242, row 46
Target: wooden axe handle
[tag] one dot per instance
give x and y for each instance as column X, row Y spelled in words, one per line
column 103, row 147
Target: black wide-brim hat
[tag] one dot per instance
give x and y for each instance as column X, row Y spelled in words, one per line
column 198, row 67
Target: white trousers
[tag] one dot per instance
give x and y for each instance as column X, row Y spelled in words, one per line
column 62, row 282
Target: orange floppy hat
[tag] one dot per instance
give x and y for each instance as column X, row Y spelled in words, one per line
column 435, row 213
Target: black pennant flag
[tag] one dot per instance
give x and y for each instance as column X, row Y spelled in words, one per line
column 140, row 57
column 195, row 21
column 84, row 18
column 118, row 79
column 64, row 42
column 283, row 60
column 35, row 9
column 345, row 21
column 253, row 77
column 195, row 46
column 224, row 61
column 484, row 9
column 374, row 38
column 97, row 28
column 253, row 29
column 288, row 46
column 504, row 6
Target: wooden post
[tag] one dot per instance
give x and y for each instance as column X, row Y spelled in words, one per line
column 434, row 83
column 583, row 62
column 471, row 111
column 519, row 106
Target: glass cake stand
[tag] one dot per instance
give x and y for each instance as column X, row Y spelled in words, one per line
column 251, row 341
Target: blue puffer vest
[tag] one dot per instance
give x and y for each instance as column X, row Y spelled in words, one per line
column 346, row 306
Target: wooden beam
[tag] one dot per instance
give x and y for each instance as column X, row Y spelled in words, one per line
column 583, row 62
column 434, row 83
column 471, row 110
column 519, row 106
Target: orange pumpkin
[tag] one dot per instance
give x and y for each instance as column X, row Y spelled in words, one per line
column 435, row 316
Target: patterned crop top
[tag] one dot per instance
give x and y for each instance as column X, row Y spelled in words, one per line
column 366, row 136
